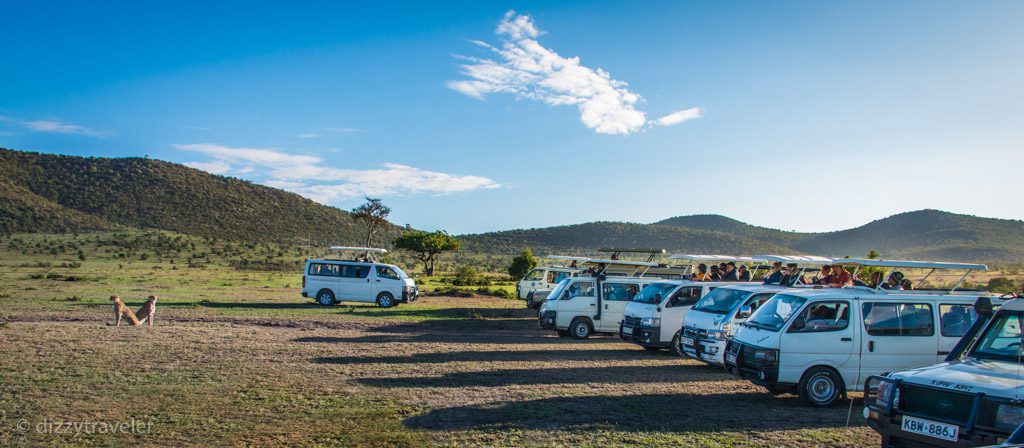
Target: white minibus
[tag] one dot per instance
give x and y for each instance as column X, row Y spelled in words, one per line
column 361, row 279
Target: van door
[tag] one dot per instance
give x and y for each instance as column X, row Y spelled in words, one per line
column 578, row 299
column 355, row 284
column 386, row 279
column 675, row 307
column 820, row 334
column 898, row 335
column 531, row 282
column 614, row 297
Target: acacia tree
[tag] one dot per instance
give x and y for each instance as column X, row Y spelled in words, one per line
column 375, row 213
column 427, row 246
column 522, row 263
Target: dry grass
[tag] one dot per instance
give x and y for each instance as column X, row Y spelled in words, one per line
column 446, row 371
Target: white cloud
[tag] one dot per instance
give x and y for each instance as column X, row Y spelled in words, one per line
column 310, row 177
column 343, row 130
column 307, row 135
column 529, row 70
column 55, row 127
column 679, row 117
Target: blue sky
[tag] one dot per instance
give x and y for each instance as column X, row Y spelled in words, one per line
column 796, row 115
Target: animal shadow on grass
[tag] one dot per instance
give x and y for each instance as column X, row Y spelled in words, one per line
column 677, row 413
column 671, row 373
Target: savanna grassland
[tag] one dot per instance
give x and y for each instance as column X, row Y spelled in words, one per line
column 237, row 357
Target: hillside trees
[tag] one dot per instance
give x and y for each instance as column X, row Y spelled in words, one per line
column 427, row 246
column 522, row 263
column 375, row 214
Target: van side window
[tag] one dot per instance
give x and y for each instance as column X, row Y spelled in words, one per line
column 580, row 289
column 322, row 269
column 386, row 272
column 555, row 276
column 355, row 271
column 954, row 320
column 534, row 275
column 899, row 319
column 822, row 316
column 757, row 300
column 684, row 297
column 619, row 292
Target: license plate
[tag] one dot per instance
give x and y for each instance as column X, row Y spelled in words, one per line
column 689, row 342
column 627, row 331
column 929, row 428
column 730, row 358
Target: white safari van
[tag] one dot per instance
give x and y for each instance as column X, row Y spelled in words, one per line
column 584, row 305
column 546, row 277
column 361, row 279
column 538, row 283
column 972, row 399
column 821, row 343
column 711, row 323
column 654, row 318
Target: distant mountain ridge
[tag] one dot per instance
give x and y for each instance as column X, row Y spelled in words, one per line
column 922, row 234
column 57, row 193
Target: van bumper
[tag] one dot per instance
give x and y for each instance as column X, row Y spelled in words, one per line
column 643, row 336
column 746, row 366
column 711, row 351
column 410, row 294
column 546, row 320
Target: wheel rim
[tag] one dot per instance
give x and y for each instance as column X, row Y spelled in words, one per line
column 325, row 299
column 582, row 330
column 385, row 302
column 677, row 347
column 821, row 388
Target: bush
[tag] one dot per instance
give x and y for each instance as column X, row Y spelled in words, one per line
column 1001, row 284
column 522, row 264
column 468, row 276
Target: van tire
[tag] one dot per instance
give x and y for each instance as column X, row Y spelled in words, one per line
column 385, row 300
column 325, row 297
column 821, row 386
column 580, row 328
column 676, row 349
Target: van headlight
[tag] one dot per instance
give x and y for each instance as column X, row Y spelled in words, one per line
column 884, row 393
column 650, row 322
column 1009, row 416
column 766, row 355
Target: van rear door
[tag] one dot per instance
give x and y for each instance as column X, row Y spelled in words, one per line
column 614, row 297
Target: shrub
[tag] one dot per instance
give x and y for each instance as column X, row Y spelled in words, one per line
column 1001, row 284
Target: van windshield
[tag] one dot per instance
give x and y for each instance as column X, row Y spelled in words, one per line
column 775, row 312
column 558, row 289
column 1002, row 341
column 401, row 273
column 721, row 300
column 654, row 293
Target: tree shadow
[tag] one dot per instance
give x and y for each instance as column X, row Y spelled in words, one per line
column 701, row 413
column 496, row 356
column 630, row 374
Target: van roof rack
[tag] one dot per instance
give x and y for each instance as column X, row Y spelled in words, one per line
column 617, row 251
column 912, row 264
column 369, row 253
column 717, row 258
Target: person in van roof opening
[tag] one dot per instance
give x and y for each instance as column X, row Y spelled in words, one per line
column 894, row 282
column 907, row 285
column 701, row 274
column 730, row 272
column 774, row 275
column 825, row 276
column 716, row 273
column 840, row 277
column 792, row 276
column 744, row 273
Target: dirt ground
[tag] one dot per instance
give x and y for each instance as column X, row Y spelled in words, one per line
column 443, row 371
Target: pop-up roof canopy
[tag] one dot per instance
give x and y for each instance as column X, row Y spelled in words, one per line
column 715, row 258
column 616, row 251
column 798, row 259
column 911, row 264
column 908, row 264
column 370, row 252
column 567, row 258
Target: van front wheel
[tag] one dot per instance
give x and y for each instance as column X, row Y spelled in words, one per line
column 821, row 386
column 385, row 300
column 325, row 297
column 580, row 329
column 677, row 345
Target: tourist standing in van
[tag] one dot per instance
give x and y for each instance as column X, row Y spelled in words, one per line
column 840, row 277
column 825, row 277
column 774, row 275
column 730, row 272
column 744, row 275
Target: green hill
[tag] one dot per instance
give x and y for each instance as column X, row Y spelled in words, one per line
column 924, row 234
column 53, row 193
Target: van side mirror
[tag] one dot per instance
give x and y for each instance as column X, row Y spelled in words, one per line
column 744, row 312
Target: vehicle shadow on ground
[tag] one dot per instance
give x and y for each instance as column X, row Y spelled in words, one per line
column 464, row 331
column 497, row 356
column 630, row 374
column 704, row 413
column 239, row 305
column 441, row 313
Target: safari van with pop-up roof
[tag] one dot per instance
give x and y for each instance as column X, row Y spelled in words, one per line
column 974, row 398
column 821, row 343
column 653, row 319
column 711, row 323
column 359, row 279
column 591, row 303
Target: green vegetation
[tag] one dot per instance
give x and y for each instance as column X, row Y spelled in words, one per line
column 522, row 264
column 427, row 246
column 374, row 214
